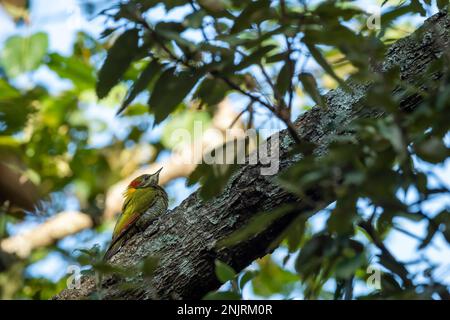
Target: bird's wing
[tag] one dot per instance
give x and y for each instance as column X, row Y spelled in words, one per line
column 125, row 222
column 134, row 206
column 123, row 225
column 132, row 211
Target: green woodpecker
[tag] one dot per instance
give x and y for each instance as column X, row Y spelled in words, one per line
column 144, row 201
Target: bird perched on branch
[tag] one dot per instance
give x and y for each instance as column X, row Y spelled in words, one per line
column 144, row 201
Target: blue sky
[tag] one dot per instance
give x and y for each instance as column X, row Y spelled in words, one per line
column 61, row 20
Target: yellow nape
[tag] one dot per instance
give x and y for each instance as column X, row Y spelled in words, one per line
column 129, row 191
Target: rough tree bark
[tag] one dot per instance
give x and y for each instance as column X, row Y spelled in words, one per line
column 185, row 237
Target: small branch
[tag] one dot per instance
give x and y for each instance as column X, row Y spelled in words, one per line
column 368, row 227
column 202, row 28
column 285, row 119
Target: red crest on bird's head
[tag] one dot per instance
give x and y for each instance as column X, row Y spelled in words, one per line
column 136, row 182
column 145, row 180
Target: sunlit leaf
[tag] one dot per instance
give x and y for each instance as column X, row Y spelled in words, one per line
column 23, row 54
column 224, row 272
column 72, row 68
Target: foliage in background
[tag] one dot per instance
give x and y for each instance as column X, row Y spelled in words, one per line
column 269, row 53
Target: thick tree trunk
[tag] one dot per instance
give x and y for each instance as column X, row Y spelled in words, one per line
column 185, row 238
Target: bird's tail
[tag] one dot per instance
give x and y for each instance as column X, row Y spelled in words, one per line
column 114, row 247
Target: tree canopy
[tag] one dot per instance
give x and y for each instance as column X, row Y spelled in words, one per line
column 364, row 160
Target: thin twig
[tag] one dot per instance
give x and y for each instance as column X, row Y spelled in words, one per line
column 368, row 227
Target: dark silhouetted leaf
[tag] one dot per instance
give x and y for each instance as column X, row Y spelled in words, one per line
column 255, row 12
column 310, row 86
column 317, row 55
column 148, row 74
column 211, row 91
column 346, row 267
column 284, row 78
column 169, row 91
column 253, row 58
column 432, row 150
column 118, row 59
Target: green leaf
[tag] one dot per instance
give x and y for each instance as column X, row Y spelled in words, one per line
column 432, row 150
column 256, row 225
column 224, row 272
column 194, row 19
column 295, row 233
column 284, row 78
column 254, row 58
column 222, row 295
column 7, row 91
column 16, row 107
column 310, row 86
column 169, row 4
column 72, row 68
column 23, row 54
column 320, row 59
column 277, row 57
column 211, row 91
column 169, row 91
column 246, row 277
column 442, row 3
column 273, row 279
column 106, row 268
column 216, row 8
column 118, row 59
column 342, row 218
column 310, row 257
column 347, row 267
column 145, row 78
column 149, row 266
column 255, row 12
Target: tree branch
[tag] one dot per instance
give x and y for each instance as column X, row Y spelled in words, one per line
column 185, row 238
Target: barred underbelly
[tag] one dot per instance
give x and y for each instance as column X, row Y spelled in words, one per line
column 158, row 208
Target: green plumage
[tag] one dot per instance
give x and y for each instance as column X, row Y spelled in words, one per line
column 144, row 201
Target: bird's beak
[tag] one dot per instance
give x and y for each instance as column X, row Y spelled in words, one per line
column 156, row 174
